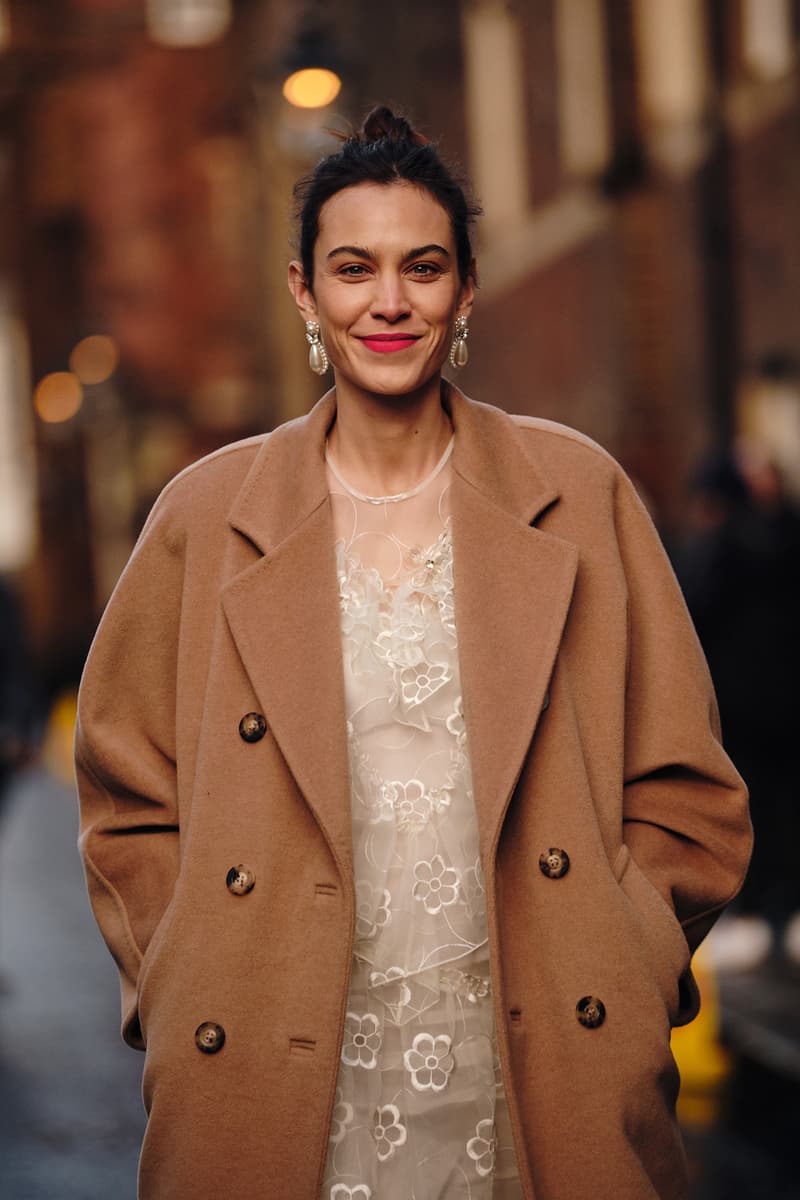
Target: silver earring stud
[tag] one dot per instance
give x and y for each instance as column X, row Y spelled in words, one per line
column 317, row 354
column 459, row 351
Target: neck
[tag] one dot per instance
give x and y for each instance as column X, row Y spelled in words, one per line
column 387, row 444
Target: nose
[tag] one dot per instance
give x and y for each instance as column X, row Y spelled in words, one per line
column 389, row 300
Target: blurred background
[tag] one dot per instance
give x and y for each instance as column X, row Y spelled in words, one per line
column 638, row 162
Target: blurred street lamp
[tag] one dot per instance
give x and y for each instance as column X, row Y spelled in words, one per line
column 184, row 23
column 312, row 69
column 312, row 87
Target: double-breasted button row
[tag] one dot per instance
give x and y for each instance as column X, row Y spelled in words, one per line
column 554, row 862
column 209, row 1037
column 252, row 727
column 240, row 880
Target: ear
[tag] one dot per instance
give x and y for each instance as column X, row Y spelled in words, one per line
column 303, row 296
column 466, row 296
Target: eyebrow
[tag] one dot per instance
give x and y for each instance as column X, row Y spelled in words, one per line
column 365, row 252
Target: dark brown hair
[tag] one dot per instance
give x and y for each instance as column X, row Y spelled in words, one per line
column 385, row 150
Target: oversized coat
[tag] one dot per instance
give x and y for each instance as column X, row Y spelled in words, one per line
column 218, row 851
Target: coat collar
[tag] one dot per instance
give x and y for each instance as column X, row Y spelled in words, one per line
column 513, row 585
column 287, row 481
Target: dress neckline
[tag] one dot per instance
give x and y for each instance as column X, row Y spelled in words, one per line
column 398, row 496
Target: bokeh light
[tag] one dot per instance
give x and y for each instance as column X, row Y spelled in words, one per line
column 188, row 22
column 58, row 397
column 94, row 359
column 313, row 87
column 5, row 25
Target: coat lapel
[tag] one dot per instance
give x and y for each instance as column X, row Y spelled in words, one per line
column 513, row 587
column 283, row 613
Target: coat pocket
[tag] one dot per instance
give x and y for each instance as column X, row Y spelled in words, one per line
column 150, row 960
column 661, row 933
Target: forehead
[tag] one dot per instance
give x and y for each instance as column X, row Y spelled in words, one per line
column 383, row 216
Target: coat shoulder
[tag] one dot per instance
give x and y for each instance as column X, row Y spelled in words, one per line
column 580, row 467
column 563, row 446
column 223, row 471
column 212, row 483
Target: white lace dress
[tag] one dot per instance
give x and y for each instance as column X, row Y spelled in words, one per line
column 420, row 1112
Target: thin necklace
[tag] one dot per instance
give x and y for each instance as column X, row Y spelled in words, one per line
column 399, row 495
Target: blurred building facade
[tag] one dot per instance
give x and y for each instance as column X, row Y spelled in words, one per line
column 639, row 167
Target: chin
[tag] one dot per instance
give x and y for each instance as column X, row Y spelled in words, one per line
column 393, row 381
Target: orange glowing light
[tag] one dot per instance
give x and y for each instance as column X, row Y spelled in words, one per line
column 94, row 359
column 58, row 397
column 313, row 87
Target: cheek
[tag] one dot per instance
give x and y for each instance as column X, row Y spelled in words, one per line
column 337, row 320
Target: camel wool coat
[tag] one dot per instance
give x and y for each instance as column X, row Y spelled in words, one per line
column 216, row 833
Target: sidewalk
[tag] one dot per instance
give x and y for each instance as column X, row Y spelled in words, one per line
column 70, row 1114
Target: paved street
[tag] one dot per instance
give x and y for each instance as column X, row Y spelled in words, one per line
column 70, row 1113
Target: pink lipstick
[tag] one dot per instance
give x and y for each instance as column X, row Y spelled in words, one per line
column 388, row 343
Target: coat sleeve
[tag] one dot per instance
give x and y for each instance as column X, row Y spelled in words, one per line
column 126, row 757
column 685, row 808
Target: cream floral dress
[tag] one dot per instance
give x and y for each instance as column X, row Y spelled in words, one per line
column 420, row 1112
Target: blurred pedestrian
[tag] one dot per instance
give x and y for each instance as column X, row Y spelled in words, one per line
column 740, row 571
column 19, row 731
column 403, row 798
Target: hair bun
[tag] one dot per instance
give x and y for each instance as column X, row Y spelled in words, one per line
column 381, row 123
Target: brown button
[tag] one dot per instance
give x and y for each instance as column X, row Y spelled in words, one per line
column 590, row 1011
column 252, row 727
column 209, row 1037
column 240, row 880
column 554, row 863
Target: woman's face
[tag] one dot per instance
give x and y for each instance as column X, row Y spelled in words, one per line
column 386, row 287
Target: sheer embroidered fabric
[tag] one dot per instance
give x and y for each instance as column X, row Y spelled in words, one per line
column 420, row 1111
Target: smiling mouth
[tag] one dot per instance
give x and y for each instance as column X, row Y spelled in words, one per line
column 389, row 343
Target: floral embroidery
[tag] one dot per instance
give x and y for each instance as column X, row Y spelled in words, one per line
column 419, row 682
column 420, row 955
column 469, row 987
column 380, row 796
column 440, row 799
column 436, row 885
column 362, row 1040
column 389, row 1131
column 455, row 723
column 391, row 990
column 482, row 1147
column 429, row 1062
column 458, row 767
column 373, row 911
column 474, row 891
column 342, row 1116
column 401, row 645
column 359, row 591
column 412, row 806
column 340, row 1191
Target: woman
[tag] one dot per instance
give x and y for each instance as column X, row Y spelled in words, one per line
column 380, row 942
